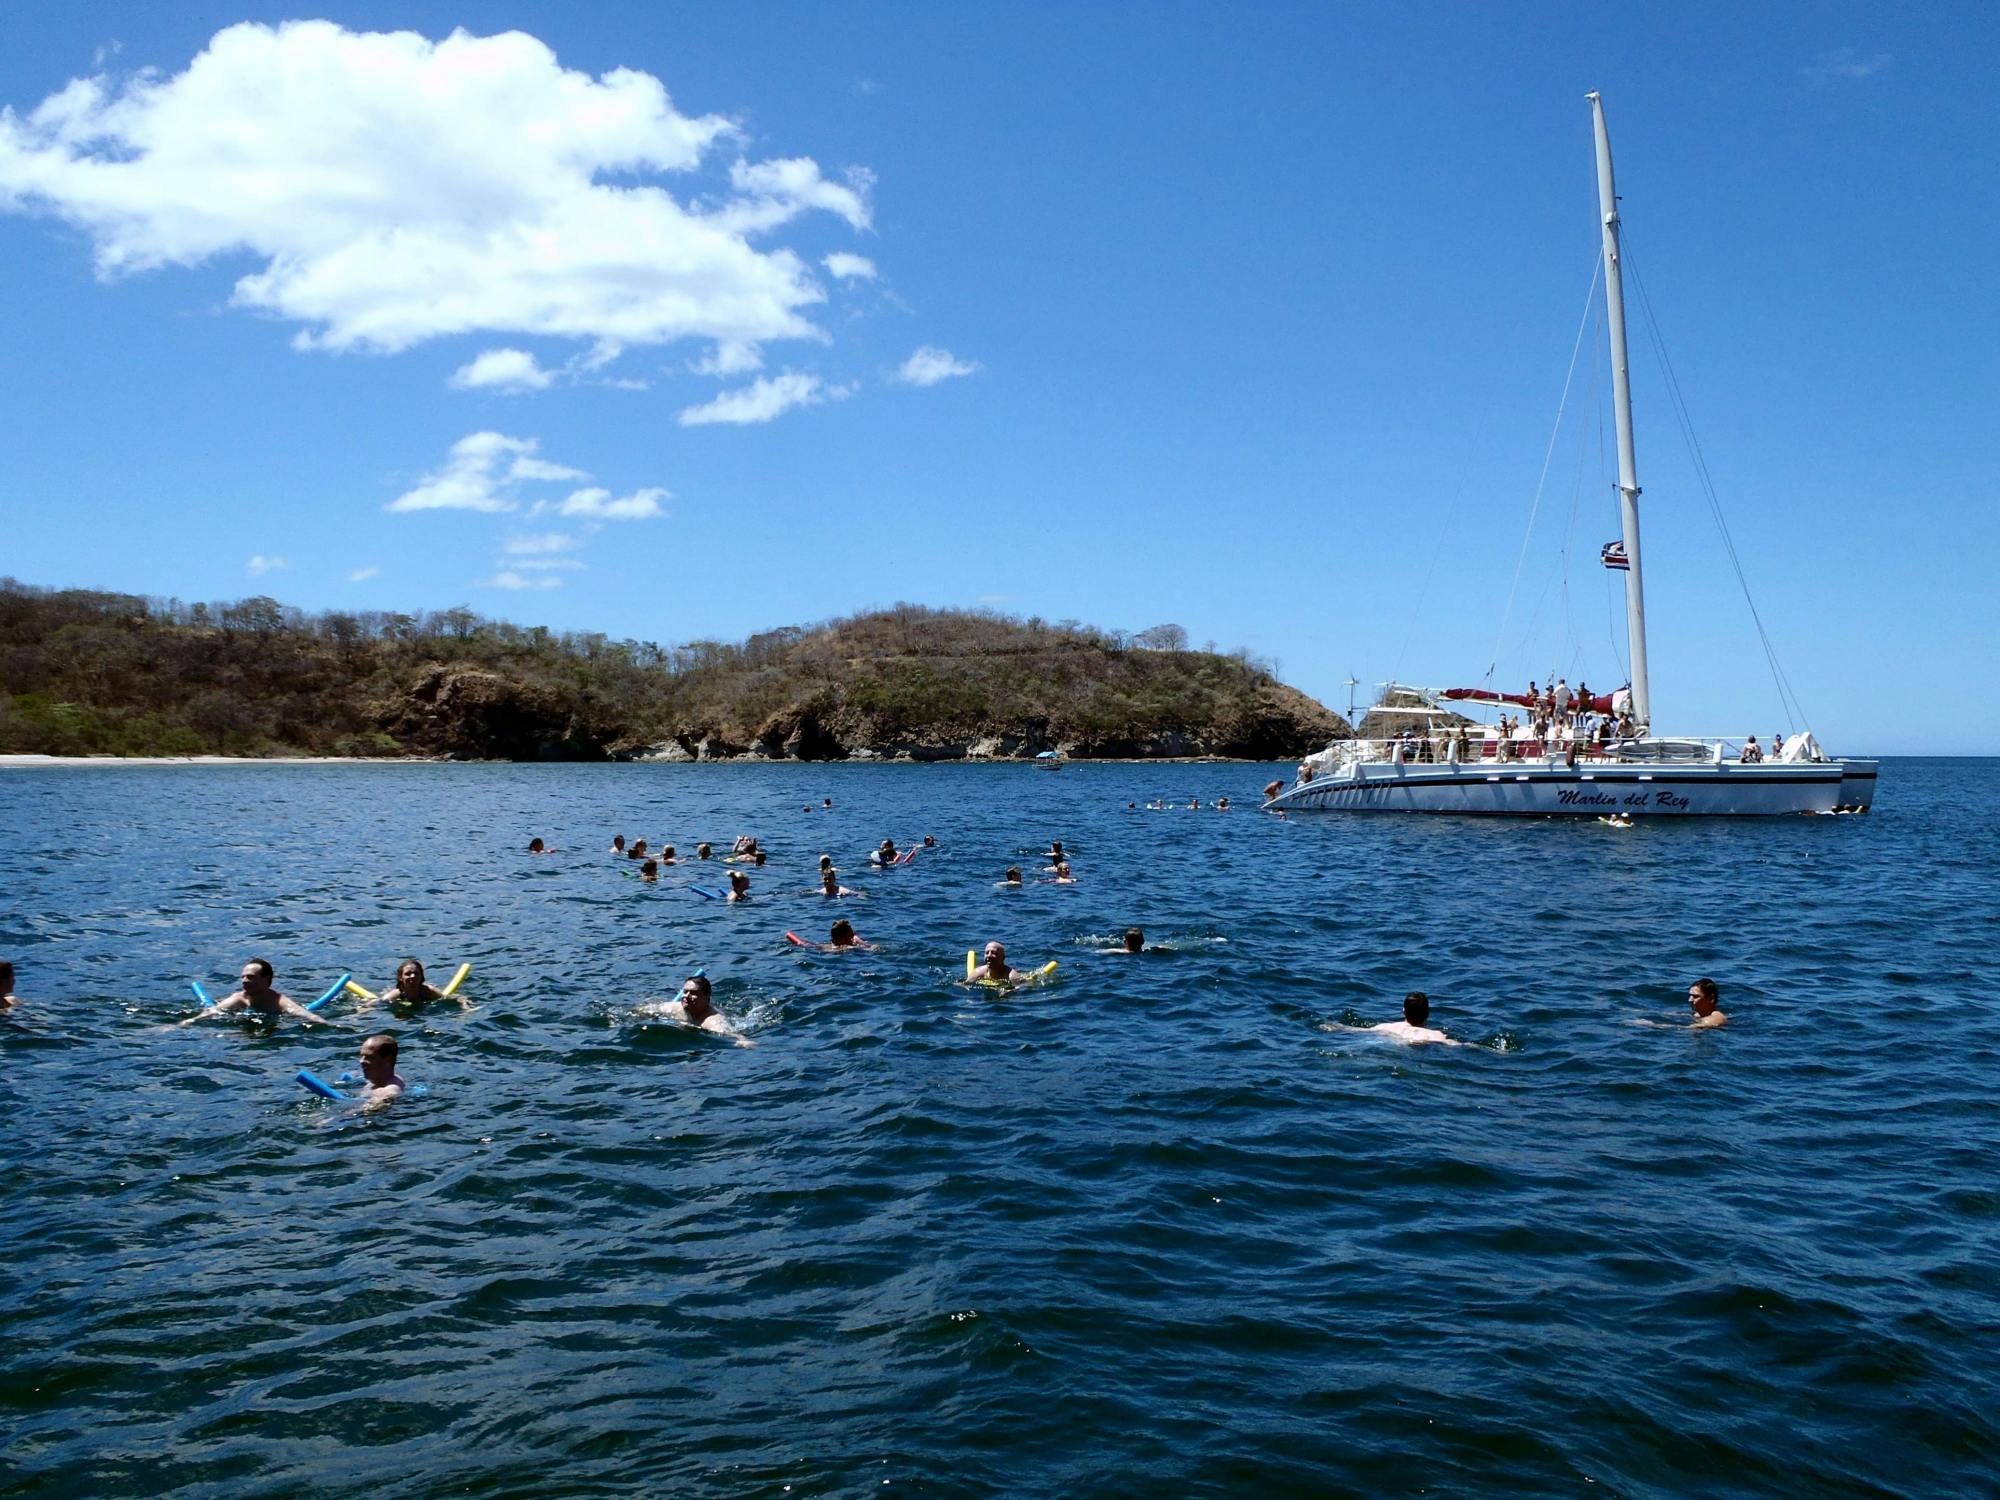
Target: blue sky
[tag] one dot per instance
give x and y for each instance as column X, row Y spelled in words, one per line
column 691, row 321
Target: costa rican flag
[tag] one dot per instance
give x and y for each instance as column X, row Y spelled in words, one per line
column 1613, row 556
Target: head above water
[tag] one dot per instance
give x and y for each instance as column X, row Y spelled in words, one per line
column 995, row 953
column 702, row 851
column 843, row 933
column 1134, row 940
column 409, row 975
column 257, row 975
column 1013, row 874
column 1703, row 995
column 618, row 841
column 536, row 846
column 829, row 880
column 6, row 977
column 378, row 1058
column 696, row 998
column 739, row 881
column 826, row 861
column 1416, row 1007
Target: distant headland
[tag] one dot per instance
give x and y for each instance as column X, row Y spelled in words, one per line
column 93, row 673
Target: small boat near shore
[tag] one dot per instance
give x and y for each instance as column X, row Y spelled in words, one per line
column 1621, row 770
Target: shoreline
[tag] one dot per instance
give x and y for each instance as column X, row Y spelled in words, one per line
column 27, row 762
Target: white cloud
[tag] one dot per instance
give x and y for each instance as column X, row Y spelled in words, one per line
column 1845, row 66
column 928, row 366
column 539, row 542
column 729, row 359
column 507, row 578
column 545, row 564
column 394, row 189
column 762, row 400
column 640, row 505
column 362, row 575
column 845, row 267
column 506, row 370
column 259, row 565
column 472, row 477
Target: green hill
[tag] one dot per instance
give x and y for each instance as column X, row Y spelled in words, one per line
column 88, row 673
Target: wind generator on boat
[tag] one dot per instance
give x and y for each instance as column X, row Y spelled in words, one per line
column 1635, row 772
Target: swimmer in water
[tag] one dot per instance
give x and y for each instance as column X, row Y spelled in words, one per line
column 1222, row 805
column 1411, row 1030
column 702, row 851
column 650, row 872
column 378, row 1067
column 1013, row 879
column 8, row 999
column 1055, row 855
column 995, row 967
column 696, row 1007
column 1702, row 996
column 929, row 842
column 757, row 859
column 412, row 988
column 744, row 845
column 1062, row 875
column 884, row 856
column 667, row 856
column 617, row 843
column 536, row 846
column 257, row 997
column 826, row 802
column 1135, row 942
column 637, row 851
column 739, row 886
column 829, row 883
column 843, row 936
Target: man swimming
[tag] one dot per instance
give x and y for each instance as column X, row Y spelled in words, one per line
column 378, row 1067
column 257, row 997
column 696, row 1007
column 650, row 872
column 536, row 846
column 829, row 883
column 739, row 886
column 1013, row 878
column 884, row 856
column 702, row 851
column 843, row 936
column 1411, row 1030
column 1135, row 942
column 667, row 856
column 1703, row 996
column 1062, row 875
column 617, row 843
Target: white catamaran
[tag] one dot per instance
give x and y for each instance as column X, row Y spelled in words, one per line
column 1558, row 770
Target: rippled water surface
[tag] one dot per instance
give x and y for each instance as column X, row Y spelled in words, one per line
column 1161, row 1227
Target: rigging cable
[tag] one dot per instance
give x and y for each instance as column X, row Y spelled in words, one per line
column 1500, row 635
column 1787, row 699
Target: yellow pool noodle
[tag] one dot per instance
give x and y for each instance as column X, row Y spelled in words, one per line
column 359, row 993
column 456, row 980
column 971, row 964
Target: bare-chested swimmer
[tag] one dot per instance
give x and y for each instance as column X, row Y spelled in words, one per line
column 1134, row 942
column 650, row 872
column 696, row 1007
column 667, row 856
column 257, row 997
column 884, row 856
column 1411, row 1029
column 703, row 851
column 617, row 843
column 637, row 851
column 1062, row 875
column 1013, row 880
column 829, row 883
column 1703, row 996
column 378, row 1068
column 739, row 886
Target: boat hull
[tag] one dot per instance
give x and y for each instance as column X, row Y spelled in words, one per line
column 1537, row 790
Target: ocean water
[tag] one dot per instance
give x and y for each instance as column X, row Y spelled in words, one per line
column 1163, row 1226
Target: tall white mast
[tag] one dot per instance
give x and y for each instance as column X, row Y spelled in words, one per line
column 1621, row 385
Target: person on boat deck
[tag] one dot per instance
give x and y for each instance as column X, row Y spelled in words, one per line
column 258, row 995
column 885, row 855
column 1704, row 996
column 1752, row 752
column 1560, row 699
column 843, row 936
column 739, row 886
column 378, row 1067
column 1777, row 747
column 1412, row 1028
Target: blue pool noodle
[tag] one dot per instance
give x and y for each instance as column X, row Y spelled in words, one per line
column 201, row 994
column 323, row 1089
column 338, row 985
column 707, row 895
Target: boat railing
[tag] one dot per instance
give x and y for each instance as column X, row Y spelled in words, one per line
column 1555, row 749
